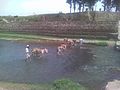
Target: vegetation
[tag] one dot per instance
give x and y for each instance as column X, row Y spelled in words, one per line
column 28, row 37
column 40, row 38
column 23, row 86
column 101, row 43
column 90, row 4
column 66, row 84
column 63, row 84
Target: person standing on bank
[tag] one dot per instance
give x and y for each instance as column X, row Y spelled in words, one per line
column 27, row 52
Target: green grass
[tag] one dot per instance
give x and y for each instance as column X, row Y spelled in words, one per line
column 99, row 42
column 43, row 38
column 28, row 37
column 63, row 84
column 66, row 84
column 19, row 86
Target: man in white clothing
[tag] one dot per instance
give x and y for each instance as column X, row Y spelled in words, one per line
column 27, row 52
column 81, row 41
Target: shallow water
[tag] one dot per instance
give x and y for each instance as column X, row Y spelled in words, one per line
column 92, row 66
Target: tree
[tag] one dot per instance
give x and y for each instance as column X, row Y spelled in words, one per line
column 86, row 3
column 90, row 4
column 116, row 4
column 79, row 2
column 107, row 5
column 74, row 4
column 70, row 3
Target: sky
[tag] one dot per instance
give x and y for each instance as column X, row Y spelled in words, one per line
column 32, row 7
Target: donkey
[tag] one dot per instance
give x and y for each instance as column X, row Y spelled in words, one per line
column 38, row 52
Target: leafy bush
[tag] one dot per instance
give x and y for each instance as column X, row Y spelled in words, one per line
column 66, row 84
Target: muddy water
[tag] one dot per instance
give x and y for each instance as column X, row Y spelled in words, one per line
column 92, row 66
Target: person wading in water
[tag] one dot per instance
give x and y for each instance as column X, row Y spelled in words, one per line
column 27, row 52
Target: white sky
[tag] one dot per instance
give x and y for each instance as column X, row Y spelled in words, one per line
column 31, row 7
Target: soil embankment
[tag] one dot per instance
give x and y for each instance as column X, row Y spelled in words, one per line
column 94, row 25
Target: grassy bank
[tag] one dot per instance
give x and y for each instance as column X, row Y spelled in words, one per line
column 29, row 37
column 19, row 86
column 41, row 38
column 63, row 84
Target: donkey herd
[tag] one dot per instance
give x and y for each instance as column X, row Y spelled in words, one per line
column 66, row 43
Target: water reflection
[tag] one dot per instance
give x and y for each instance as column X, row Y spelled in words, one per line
column 77, row 59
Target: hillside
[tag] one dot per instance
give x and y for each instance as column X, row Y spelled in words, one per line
column 95, row 25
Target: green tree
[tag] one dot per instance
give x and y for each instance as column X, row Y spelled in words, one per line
column 66, row 84
column 107, row 5
column 79, row 2
column 90, row 4
column 70, row 3
column 74, row 4
column 82, row 4
column 116, row 4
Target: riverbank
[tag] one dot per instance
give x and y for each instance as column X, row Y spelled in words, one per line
column 40, row 38
column 63, row 84
column 21, row 86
